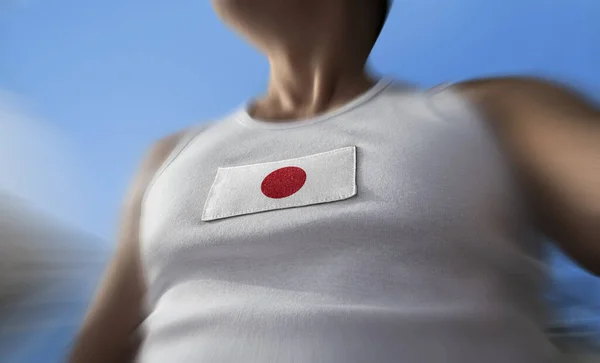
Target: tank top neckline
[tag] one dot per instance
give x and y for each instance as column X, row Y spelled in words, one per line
column 245, row 119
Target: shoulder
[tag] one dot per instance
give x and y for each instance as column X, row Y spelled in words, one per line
column 519, row 102
column 158, row 152
column 514, row 94
column 499, row 85
column 153, row 159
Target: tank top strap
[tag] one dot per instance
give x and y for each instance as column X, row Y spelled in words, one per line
column 186, row 139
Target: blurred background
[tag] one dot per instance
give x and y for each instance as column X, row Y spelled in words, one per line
column 85, row 87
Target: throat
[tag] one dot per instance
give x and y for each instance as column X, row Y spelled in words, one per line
column 284, row 103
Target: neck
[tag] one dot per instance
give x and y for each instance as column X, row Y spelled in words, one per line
column 305, row 85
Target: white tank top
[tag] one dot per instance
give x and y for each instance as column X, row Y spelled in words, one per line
column 387, row 231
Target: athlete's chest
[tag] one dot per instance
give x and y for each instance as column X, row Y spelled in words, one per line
column 395, row 173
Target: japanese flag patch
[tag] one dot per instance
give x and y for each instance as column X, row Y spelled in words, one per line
column 319, row 178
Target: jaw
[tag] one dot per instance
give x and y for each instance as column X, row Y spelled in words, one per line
column 276, row 26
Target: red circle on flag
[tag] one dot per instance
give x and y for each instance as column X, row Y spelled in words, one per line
column 283, row 182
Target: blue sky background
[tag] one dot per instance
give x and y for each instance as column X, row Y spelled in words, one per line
column 101, row 80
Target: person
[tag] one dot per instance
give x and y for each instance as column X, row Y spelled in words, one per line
column 347, row 218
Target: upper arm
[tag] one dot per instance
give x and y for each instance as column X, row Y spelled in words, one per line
column 116, row 311
column 553, row 137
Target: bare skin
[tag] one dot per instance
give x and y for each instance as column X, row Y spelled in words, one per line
column 551, row 134
column 109, row 332
column 314, row 68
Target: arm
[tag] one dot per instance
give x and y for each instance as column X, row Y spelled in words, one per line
column 108, row 331
column 553, row 136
